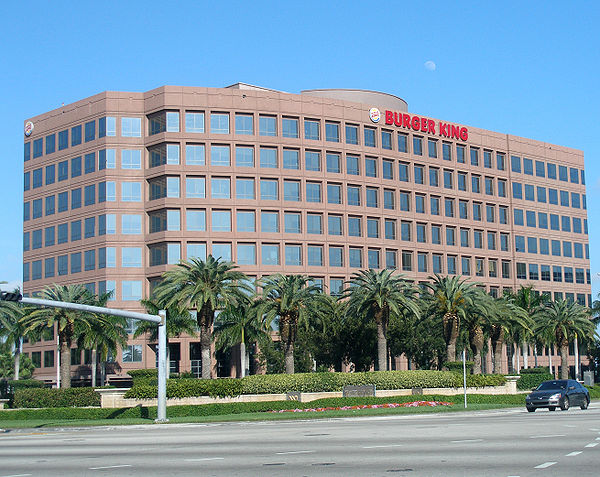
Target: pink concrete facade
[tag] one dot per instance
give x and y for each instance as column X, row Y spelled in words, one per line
column 265, row 179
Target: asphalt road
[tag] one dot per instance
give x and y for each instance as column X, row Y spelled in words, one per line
column 503, row 443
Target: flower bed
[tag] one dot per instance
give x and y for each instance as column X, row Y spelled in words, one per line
column 370, row 406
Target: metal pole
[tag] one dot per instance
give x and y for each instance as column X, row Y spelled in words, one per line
column 576, row 353
column 464, row 377
column 57, row 362
column 162, row 368
column 92, row 309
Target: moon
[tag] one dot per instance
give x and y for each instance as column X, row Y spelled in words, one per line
column 430, row 65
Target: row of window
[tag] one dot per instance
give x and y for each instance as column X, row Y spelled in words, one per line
column 106, row 224
column 556, row 248
column 540, row 219
column 548, row 195
column 130, row 192
column 547, row 170
column 107, row 126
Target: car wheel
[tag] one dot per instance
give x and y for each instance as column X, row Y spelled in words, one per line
column 565, row 404
column 552, row 408
column 585, row 403
column 530, row 409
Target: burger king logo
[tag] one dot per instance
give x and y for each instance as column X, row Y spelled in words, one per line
column 28, row 128
column 375, row 115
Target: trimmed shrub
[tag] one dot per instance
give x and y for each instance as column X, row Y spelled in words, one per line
column 457, row 366
column 539, row 370
column 311, row 382
column 46, row 397
column 594, row 391
column 529, row 381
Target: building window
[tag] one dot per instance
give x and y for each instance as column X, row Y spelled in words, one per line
column 131, row 127
column 351, row 134
column 369, row 137
column 270, row 254
column 293, row 255
column 292, row 223
column 312, row 129
column 219, row 123
column 312, row 160
column 333, row 162
column 332, row 131
column 267, row 125
column 289, row 127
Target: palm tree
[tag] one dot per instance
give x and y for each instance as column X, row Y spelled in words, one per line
column 294, row 300
column 179, row 321
column 104, row 337
column 377, row 296
column 205, row 286
column 241, row 326
column 504, row 316
column 452, row 297
column 70, row 324
column 476, row 320
column 564, row 320
column 531, row 302
column 12, row 329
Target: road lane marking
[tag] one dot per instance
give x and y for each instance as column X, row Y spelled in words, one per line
column 110, row 467
column 598, row 438
column 544, row 465
column 204, row 458
column 593, row 444
column 382, row 447
column 550, row 435
column 16, row 475
column 296, row 452
column 467, row 440
column 572, row 454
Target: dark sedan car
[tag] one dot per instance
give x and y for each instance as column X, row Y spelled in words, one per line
column 562, row 393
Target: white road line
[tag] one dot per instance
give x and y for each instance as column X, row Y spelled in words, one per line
column 382, row 447
column 544, row 465
column 598, row 438
column 543, row 437
column 467, row 440
column 16, row 475
column 110, row 467
column 593, row 444
column 572, row 454
column 296, row 452
column 594, row 429
column 205, row 458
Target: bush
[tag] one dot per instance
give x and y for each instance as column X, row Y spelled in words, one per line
column 310, row 382
column 457, row 366
column 46, row 397
column 540, row 370
column 594, row 391
column 530, row 380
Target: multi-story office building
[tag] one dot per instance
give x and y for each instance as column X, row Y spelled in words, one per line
column 120, row 186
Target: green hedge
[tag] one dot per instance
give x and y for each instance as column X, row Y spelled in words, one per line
column 541, row 370
column 594, row 391
column 529, row 381
column 46, row 397
column 241, row 408
column 311, row 382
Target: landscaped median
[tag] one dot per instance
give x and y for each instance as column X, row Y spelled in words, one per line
column 305, row 387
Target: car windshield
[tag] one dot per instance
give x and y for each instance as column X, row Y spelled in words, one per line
column 552, row 385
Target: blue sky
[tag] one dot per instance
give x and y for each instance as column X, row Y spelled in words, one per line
column 524, row 68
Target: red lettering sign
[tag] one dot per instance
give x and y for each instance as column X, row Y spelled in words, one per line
column 421, row 124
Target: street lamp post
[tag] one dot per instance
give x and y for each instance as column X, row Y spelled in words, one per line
column 160, row 319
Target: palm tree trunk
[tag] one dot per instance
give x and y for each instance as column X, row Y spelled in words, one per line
column 526, row 355
column 476, row 343
column 242, row 359
column 535, row 356
column 550, row 360
column 288, row 352
column 564, row 361
column 103, row 373
column 17, row 359
column 94, row 366
column 518, row 354
column 205, row 341
column 451, row 335
column 65, row 364
column 497, row 342
column 381, row 346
